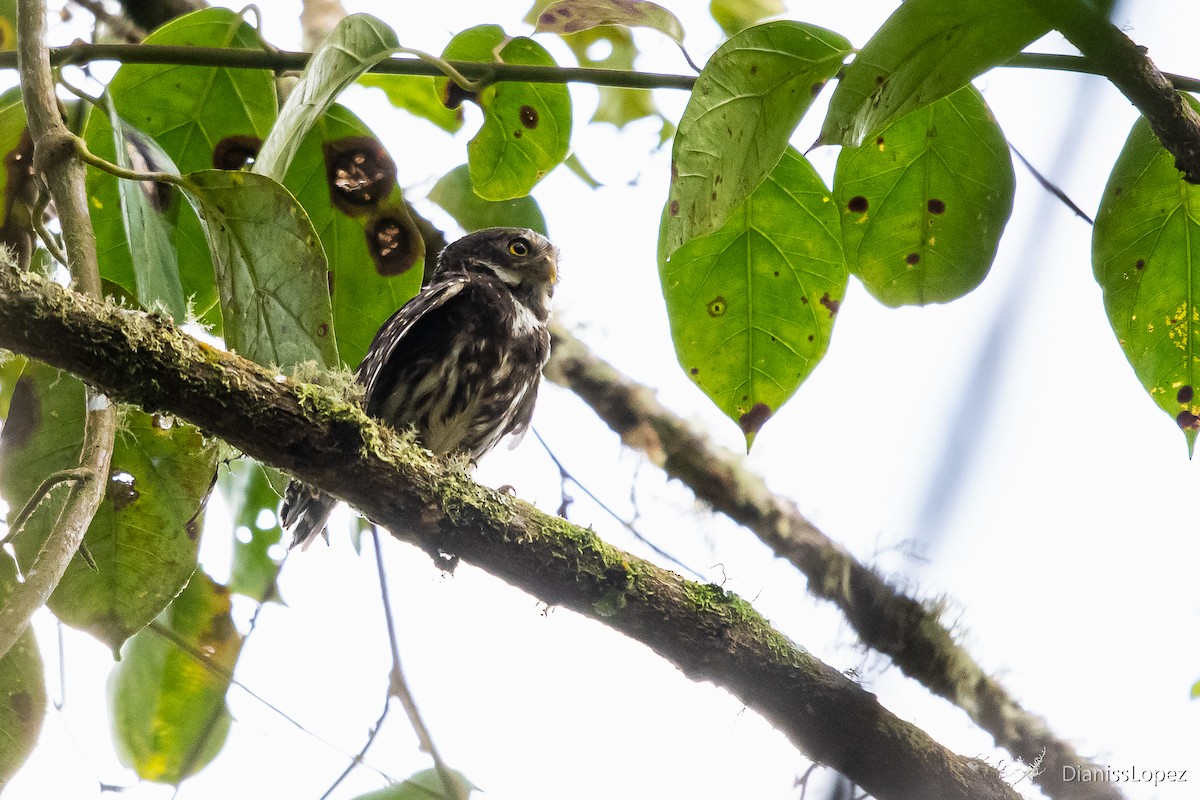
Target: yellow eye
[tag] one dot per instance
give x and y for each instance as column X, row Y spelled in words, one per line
column 518, row 247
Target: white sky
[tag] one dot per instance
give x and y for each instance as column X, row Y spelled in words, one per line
column 1068, row 561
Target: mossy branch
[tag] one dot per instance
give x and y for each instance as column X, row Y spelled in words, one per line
column 885, row 618
column 706, row 632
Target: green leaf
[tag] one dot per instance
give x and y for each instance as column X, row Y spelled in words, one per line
column 11, row 366
column 357, row 43
column 201, row 117
column 526, row 128
column 22, row 689
column 752, row 305
column 1195, row 690
column 144, row 536
column 144, row 210
column 416, row 94
column 453, row 193
column 745, row 105
column 736, row 15
column 8, row 24
column 271, row 270
column 924, row 204
column 248, row 492
column 1144, row 243
column 925, row 51
column 16, row 179
column 346, row 182
column 168, row 710
column 573, row 16
column 424, row 785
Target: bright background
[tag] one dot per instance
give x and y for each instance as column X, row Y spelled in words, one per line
column 997, row 453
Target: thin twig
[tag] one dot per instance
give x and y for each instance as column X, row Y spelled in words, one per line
column 1050, row 187
column 71, row 476
column 398, row 686
column 116, row 23
column 566, row 475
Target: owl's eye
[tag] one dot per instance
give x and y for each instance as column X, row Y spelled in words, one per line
column 518, row 247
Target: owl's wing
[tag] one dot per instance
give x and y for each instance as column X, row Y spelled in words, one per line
column 521, row 419
column 392, row 334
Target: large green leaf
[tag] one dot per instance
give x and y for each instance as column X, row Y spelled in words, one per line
column 925, row 51
column 167, row 708
column 752, row 305
column 924, row 204
column 346, row 182
column 22, row 689
column 358, row 42
column 201, row 117
column 526, row 126
column 149, row 211
column 1145, row 248
column 453, row 193
column 245, row 486
column 144, row 536
column 745, row 105
column 271, row 270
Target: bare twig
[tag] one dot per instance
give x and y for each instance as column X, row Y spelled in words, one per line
column 398, row 686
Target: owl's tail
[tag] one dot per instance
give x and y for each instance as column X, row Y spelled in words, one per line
column 304, row 513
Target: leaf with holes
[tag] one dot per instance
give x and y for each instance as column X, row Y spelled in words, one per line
column 201, row 117
column 454, row 194
column 358, row 43
column 923, row 204
column 346, row 181
column 149, row 211
column 271, row 270
column 416, row 94
column 526, row 127
column 145, row 534
column 745, row 105
column 573, row 16
column 22, row 688
column 1143, row 254
column 925, row 51
column 752, row 305
column 168, row 710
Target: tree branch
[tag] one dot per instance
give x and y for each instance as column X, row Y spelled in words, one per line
column 883, row 617
column 1115, row 56
column 706, row 632
column 54, row 157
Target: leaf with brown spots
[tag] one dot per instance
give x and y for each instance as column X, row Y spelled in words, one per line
column 416, row 94
column 526, row 129
column 742, row 110
column 1143, row 255
column 925, row 51
column 737, row 298
column 158, row 480
column 346, row 182
column 922, row 216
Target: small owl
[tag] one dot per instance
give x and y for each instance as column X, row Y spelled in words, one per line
column 461, row 361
